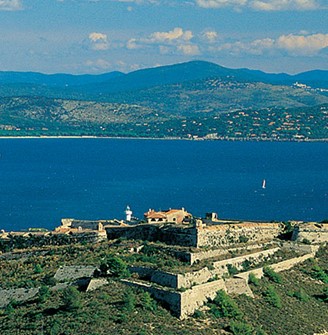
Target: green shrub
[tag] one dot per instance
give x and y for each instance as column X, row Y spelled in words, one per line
column 129, row 300
column 44, row 294
column 225, row 306
column 243, row 239
column 241, row 328
column 252, row 279
column 232, row 270
column 114, row 266
column 37, row 268
column 199, row 314
column 318, row 273
column 325, row 295
column 259, row 331
column 272, row 297
column 301, row 295
column 71, row 298
column 272, row 275
column 149, row 250
column 148, row 302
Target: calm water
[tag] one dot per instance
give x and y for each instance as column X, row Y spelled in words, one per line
column 44, row 180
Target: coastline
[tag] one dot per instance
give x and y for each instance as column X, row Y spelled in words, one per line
column 230, row 139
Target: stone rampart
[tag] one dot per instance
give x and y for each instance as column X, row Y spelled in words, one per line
column 311, row 232
column 220, row 251
column 215, row 236
column 278, row 267
column 17, row 295
column 71, row 273
column 232, row 234
column 162, row 278
column 189, row 279
column 238, row 286
column 222, row 267
column 198, row 295
column 169, row 298
column 182, row 304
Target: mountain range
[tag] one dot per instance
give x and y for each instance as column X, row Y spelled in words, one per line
column 117, row 81
column 195, row 89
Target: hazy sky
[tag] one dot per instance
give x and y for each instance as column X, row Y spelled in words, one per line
column 96, row 36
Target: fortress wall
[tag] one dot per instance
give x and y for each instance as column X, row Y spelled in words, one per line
column 221, row 267
column 300, row 248
column 144, row 232
column 202, row 255
column 156, row 276
column 155, row 232
column 278, row 267
column 183, row 304
column 179, row 236
column 315, row 233
column 198, row 295
column 169, row 298
column 230, row 234
column 18, row 295
column 238, row 286
column 201, row 276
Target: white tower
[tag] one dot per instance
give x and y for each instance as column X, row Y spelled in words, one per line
column 128, row 214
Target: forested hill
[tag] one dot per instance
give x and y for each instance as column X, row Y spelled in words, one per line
column 189, row 100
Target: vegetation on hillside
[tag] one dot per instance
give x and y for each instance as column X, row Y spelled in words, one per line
column 295, row 303
column 26, row 116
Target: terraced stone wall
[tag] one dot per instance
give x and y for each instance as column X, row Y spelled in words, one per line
column 225, row 235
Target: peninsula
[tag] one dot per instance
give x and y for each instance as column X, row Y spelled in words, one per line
column 230, row 275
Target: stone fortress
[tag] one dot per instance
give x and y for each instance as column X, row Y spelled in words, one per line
column 210, row 247
column 222, row 244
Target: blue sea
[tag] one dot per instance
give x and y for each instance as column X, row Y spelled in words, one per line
column 44, row 180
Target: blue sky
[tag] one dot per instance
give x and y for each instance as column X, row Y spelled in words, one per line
column 97, row 36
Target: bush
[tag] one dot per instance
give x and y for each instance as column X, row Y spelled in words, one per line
column 232, row 270
column 272, row 275
column 44, row 294
column 325, row 295
column 306, row 241
column 259, row 331
column 319, row 274
column 37, row 268
column 224, row 306
column 301, row 295
column 71, row 298
column 114, row 266
column 243, row 239
column 252, row 279
column 272, row 297
column 129, row 300
column 241, row 328
column 198, row 314
column 148, row 302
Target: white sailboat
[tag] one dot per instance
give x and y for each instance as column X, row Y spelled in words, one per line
column 263, row 183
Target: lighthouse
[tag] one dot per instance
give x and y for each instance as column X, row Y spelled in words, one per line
column 128, row 214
